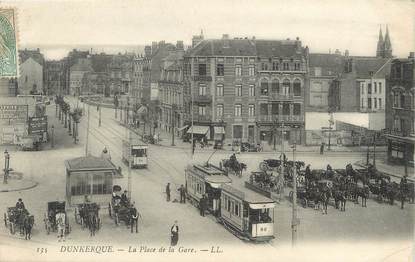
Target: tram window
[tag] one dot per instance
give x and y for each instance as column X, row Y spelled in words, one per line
column 139, row 152
column 237, row 210
column 229, row 206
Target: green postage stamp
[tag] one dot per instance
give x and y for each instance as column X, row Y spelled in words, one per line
column 8, row 43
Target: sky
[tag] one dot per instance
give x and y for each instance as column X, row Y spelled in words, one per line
column 323, row 25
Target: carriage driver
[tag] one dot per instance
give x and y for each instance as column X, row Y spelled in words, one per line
column 233, row 159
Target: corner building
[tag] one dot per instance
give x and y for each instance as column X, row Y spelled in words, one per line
column 247, row 88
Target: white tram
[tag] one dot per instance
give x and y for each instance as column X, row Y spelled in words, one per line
column 247, row 214
column 138, row 153
column 205, row 180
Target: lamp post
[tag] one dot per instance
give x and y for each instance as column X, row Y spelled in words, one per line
column 294, row 220
column 331, row 122
column 52, row 139
column 173, row 108
column 6, row 166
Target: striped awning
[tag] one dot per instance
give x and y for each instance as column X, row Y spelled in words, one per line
column 201, row 130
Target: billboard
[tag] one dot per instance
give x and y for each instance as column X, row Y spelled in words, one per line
column 38, row 125
column 13, row 112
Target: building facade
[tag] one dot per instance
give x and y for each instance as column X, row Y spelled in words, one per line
column 54, row 77
column 400, row 111
column 77, row 71
column 31, row 66
column 247, row 88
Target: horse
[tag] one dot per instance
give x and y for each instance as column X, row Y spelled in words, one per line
column 28, row 222
column 60, row 223
column 235, row 166
column 362, row 192
column 340, row 198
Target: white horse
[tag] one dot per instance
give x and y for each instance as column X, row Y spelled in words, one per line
column 60, row 222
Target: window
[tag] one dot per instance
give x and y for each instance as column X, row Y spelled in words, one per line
column 220, row 70
column 375, row 103
column 369, row 103
column 251, row 110
column 380, row 87
column 397, row 124
column 238, row 70
column 362, row 87
column 297, row 66
column 396, row 99
column 275, row 86
column 238, row 110
column 275, row 109
column 263, row 109
column 251, row 90
column 202, row 110
column 297, row 87
column 202, row 69
column 317, row 71
column 237, row 210
column 219, row 110
column 286, row 87
column 286, row 66
column 297, row 109
column 402, row 98
column 380, row 103
column 369, row 88
column 237, row 132
column 264, row 88
column 275, row 66
column 238, row 90
column 219, row 89
column 202, row 89
column 286, row 109
column 251, row 70
column 264, row 66
column 375, row 87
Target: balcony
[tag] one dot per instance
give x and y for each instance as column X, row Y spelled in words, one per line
column 202, row 99
column 202, row 78
column 279, row 118
column 281, row 97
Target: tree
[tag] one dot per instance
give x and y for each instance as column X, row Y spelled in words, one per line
column 76, row 118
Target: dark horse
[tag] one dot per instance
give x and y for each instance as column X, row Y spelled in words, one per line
column 28, row 221
column 235, row 166
column 340, row 198
column 92, row 222
column 323, row 199
column 362, row 192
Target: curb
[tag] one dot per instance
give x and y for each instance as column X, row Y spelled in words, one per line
column 21, row 189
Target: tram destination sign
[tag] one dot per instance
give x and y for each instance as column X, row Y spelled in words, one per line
column 38, row 125
column 15, row 112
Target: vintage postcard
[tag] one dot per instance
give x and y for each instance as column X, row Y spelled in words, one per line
column 214, row 130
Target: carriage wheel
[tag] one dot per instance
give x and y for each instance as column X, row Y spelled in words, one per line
column 12, row 228
column 5, row 220
column 109, row 209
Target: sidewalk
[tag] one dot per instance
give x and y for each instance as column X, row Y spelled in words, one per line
column 397, row 171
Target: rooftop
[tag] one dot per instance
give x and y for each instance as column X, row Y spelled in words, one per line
column 89, row 163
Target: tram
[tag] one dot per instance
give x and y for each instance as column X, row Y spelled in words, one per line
column 138, row 153
column 247, row 214
column 205, row 180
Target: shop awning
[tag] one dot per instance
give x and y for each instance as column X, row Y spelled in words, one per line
column 182, row 128
column 201, row 130
column 219, row 130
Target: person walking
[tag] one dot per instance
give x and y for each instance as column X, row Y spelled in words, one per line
column 168, row 192
column 202, row 205
column 174, row 233
column 403, row 186
column 134, row 218
column 182, row 191
column 322, row 148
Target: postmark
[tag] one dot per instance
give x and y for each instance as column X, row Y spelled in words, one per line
column 8, row 43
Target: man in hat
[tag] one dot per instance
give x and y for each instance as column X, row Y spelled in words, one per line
column 182, row 191
column 134, row 218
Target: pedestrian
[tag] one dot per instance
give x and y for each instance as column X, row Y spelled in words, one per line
column 403, row 186
column 20, row 205
column 182, row 191
column 168, row 192
column 322, row 148
column 174, row 233
column 61, row 227
column 193, row 146
column 202, row 205
column 134, row 218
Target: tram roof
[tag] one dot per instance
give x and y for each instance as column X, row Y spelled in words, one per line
column 210, row 173
column 89, row 163
column 246, row 194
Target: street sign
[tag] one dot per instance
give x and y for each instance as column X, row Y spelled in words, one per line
column 38, row 125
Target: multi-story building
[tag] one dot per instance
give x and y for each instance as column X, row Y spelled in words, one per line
column 31, row 66
column 171, row 92
column 247, row 88
column 120, row 71
column 400, row 111
column 77, row 71
column 68, row 62
column 95, row 83
column 54, row 77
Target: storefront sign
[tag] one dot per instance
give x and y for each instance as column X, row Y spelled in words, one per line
column 38, row 125
column 9, row 112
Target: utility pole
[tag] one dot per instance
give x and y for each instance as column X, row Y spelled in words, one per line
column 294, row 221
column 52, row 140
column 6, row 166
column 87, row 132
column 99, row 107
column 129, row 162
column 172, row 124
column 374, row 150
column 282, row 148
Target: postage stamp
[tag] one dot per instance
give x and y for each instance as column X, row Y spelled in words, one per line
column 8, row 43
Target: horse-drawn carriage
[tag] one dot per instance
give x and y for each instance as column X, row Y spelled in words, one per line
column 87, row 215
column 232, row 165
column 118, row 209
column 21, row 219
column 55, row 215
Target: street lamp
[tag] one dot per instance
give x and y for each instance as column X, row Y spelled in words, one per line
column 173, row 119
column 6, row 166
column 52, row 136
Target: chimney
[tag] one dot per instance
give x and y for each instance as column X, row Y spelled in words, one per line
column 411, row 55
column 180, row 45
column 346, row 53
column 147, row 50
column 161, row 44
column 337, row 52
column 225, row 38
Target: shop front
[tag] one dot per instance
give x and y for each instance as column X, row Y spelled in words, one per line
column 400, row 150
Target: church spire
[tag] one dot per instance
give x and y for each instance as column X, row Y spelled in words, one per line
column 381, row 45
column 388, row 45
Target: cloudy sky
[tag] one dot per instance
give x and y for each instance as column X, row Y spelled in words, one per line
column 321, row 24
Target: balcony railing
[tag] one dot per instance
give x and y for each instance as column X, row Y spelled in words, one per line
column 286, row 118
column 202, row 78
column 203, row 99
column 280, row 96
